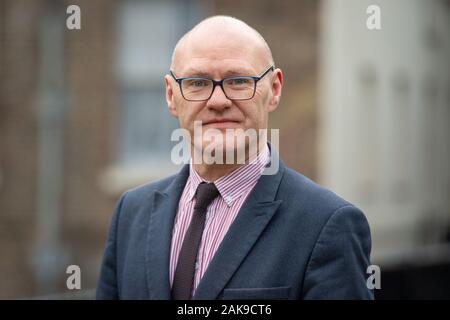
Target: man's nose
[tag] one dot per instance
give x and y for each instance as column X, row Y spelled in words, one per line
column 218, row 99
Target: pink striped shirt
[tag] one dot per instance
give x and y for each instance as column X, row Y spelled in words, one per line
column 234, row 189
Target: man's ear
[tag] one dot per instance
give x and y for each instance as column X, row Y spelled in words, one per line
column 276, row 86
column 169, row 96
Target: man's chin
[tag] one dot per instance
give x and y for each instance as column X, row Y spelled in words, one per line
column 223, row 126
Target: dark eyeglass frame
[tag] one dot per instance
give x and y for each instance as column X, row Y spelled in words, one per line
column 220, row 83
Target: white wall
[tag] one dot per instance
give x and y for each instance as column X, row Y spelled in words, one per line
column 384, row 118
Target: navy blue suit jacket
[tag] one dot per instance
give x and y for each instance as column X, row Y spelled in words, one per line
column 292, row 239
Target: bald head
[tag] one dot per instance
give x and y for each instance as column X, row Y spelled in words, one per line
column 225, row 33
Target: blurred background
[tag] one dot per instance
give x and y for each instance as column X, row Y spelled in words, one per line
column 83, row 118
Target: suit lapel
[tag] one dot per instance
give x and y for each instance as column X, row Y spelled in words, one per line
column 162, row 215
column 250, row 222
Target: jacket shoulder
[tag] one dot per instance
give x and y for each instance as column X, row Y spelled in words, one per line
column 310, row 197
column 142, row 192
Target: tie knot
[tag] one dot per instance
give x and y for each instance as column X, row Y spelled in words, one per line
column 206, row 193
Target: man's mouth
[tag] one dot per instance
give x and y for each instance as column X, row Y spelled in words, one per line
column 221, row 123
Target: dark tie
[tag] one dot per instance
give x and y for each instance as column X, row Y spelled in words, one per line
column 185, row 270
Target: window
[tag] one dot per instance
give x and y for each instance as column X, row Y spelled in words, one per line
column 147, row 32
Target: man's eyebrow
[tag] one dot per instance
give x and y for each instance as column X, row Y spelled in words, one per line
column 195, row 73
column 238, row 72
column 228, row 73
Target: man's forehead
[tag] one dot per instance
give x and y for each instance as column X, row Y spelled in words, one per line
column 228, row 59
column 213, row 42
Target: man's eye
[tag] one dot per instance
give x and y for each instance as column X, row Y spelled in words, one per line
column 239, row 81
column 198, row 83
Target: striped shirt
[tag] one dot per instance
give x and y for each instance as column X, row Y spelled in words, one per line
column 234, row 189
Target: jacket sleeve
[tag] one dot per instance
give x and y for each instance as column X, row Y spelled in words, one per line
column 107, row 287
column 338, row 264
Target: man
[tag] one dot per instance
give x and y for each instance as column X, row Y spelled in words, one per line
column 226, row 230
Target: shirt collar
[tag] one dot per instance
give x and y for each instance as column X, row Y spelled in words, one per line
column 234, row 184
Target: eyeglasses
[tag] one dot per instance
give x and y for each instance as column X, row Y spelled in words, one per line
column 234, row 88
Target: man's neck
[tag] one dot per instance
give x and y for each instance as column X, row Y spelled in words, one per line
column 212, row 172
